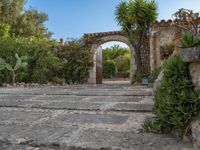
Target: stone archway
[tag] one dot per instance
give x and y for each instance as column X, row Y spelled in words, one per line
column 95, row 40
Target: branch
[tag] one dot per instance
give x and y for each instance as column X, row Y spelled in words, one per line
column 182, row 27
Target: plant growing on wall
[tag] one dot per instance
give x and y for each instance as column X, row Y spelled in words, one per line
column 188, row 22
column 20, row 63
column 135, row 18
column 166, row 49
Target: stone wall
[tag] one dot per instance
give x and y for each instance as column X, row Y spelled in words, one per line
column 161, row 32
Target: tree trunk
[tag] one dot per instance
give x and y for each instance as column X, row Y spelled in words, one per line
column 13, row 77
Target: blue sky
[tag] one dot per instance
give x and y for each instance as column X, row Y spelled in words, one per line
column 73, row 18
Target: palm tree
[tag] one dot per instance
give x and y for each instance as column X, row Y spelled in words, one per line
column 135, row 18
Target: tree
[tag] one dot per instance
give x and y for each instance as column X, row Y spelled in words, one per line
column 187, row 20
column 31, row 23
column 135, row 18
column 25, row 23
column 188, row 24
column 10, row 10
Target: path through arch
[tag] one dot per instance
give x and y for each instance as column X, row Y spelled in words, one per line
column 95, row 40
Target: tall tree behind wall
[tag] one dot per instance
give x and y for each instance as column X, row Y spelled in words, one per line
column 25, row 23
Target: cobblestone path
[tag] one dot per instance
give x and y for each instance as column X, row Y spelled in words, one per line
column 79, row 117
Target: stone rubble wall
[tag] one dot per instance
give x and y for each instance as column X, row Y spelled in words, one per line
column 161, row 32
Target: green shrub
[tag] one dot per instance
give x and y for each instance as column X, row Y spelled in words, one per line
column 176, row 103
column 109, row 69
column 47, row 67
column 166, row 49
column 120, row 59
column 154, row 74
column 122, row 63
column 189, row 40
column 30, row 47
column 75, row 59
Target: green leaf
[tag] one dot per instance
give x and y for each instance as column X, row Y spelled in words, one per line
column 17, row 56
column 2, row 61
column 24, row 64
column 9, row 67
column 2, row 67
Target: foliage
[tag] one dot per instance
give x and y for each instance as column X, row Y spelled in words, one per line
column 75, row 58
column 167, row 49
column 154, row 74
column 10, row 10
column 4, row 30
column 24, row 23
column 188, row 39
column 20, row 63
column 30, row 47
column 46, row 68
column 114, row 51
column 176, row 103
column 116, row 62
column 187, row 20
column 31, row 23
column 135, row 18
column 109, row 69
column 122, row 63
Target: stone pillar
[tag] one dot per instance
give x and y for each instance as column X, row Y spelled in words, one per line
column 92, row 69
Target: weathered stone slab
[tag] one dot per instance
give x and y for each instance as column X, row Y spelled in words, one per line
column 92, row 118
column 72, row 105
column 133, row 107
column 103, row 139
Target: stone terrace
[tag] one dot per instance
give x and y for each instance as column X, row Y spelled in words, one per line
column 79, row 117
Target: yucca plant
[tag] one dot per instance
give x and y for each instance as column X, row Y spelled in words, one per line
column 135, row 18
column 21, row 62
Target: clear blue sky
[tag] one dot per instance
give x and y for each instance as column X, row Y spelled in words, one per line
column 73, row 18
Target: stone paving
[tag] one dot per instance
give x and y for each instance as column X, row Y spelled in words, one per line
column 79, row 117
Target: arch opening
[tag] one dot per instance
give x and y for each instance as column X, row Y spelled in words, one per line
column 102, row 39
column 113, row 63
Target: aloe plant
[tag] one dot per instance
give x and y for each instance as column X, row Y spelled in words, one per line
column 21, row 62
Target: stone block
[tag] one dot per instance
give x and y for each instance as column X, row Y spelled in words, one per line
column 195, row 73
column 196, row 133
column 191, row 54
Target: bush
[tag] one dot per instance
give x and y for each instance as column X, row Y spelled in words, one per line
column 120, row 59
column 34, row 49
column 47, row 67
column 167, row 49
column 109, row 69
column 154, row 74
column 176, row 103
column 75, row 59
column 188, row 39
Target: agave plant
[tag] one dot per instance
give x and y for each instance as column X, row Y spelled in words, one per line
column 21, row 62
